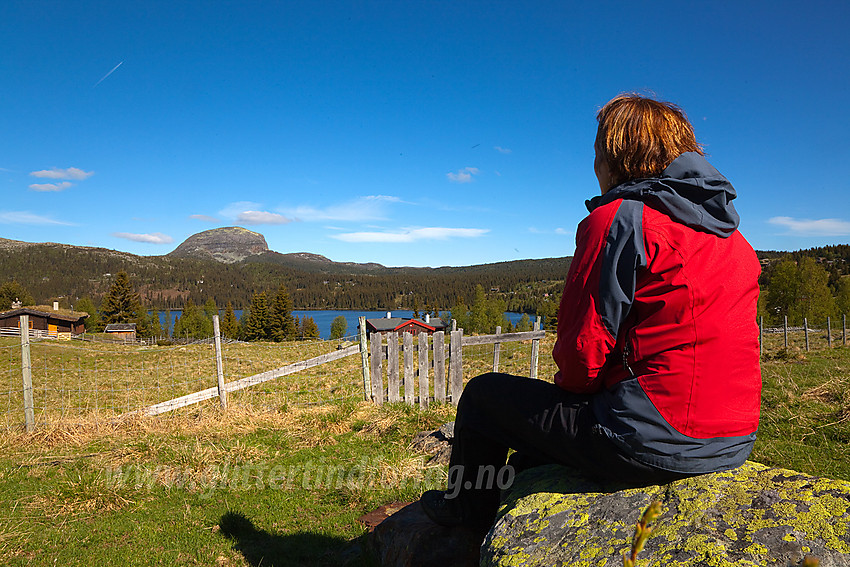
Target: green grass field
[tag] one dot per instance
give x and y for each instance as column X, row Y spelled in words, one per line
column 272, row 482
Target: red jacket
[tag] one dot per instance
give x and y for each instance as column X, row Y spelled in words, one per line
column 658, row 320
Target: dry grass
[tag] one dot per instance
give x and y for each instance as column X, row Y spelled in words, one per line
column 99, row 382
column 310, row 426
column 87, row 390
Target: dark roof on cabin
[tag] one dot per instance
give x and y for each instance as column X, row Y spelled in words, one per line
column 120, row 327
column 45, row 311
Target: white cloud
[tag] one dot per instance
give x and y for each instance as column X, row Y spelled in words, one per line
column 205, row 218
column 412, row 235
column 810, row 227
column 502, row 150
column 464, row 175
column 69, row 173
column 261, row 217
column 248, row 212
column 155, row 238
column 558, row 231
column 51, row 186
column 25, row 217
column 370, row 207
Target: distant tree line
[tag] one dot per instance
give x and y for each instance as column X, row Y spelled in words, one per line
column 484, row 314
column 262, row 321
column 812, row 283
column 52, row 272
column 802, row 286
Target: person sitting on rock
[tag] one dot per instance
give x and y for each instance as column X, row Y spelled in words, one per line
column 657, row 342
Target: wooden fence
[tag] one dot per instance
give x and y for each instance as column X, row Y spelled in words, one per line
column 807, row 332
column 430, row 358
column 438, row 373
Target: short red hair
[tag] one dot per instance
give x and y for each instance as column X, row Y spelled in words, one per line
column 638, row 136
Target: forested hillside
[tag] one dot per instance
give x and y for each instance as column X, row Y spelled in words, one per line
column 812, row 283
column 67, row 273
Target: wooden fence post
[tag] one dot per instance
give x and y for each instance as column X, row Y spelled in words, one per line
column 407, row 351
column 456, row 368
column 26, row 371
column 496, row 348
column 392, row 367
column 377, row 373
column 844, row 329
column 423, row 370
column 439, row 367
column 535, row 351
column 806, row 330
column 219, row 367
column 761, row 334
column 829, row 331
column 364, row 361
column 785, row 327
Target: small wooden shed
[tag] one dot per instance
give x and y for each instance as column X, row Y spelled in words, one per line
column 121, row 331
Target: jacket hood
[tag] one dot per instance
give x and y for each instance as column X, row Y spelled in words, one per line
column 689, row 190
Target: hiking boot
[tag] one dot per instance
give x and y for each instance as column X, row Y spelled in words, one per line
column 441, row 510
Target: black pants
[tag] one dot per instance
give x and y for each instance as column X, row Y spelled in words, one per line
column 544, row 424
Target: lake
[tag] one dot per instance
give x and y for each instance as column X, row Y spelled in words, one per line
column 325, row 317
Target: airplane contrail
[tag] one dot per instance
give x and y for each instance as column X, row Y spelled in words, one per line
column 109, row 73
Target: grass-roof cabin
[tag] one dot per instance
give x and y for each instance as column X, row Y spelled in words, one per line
column 44, row 321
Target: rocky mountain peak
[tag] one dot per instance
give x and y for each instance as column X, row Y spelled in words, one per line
column 228, row 245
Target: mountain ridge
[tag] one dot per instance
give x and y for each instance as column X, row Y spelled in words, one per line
column 64, row 272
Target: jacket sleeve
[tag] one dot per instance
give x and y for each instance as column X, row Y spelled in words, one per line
column 598, row 293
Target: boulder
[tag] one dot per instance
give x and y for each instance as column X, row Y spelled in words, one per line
column 407, row 538
column 437, row 443
column 753, row 515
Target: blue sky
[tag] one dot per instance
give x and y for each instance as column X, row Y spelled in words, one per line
column 405, row 133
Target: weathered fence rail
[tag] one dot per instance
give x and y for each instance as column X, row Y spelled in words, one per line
column 222, row 388
column 394, row 368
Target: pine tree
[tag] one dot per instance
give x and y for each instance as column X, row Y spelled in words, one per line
column 256, row 326
column 210, row 308
column 309, row 329
column 281, row 323
column 121, row 304
column 229, row 324
column 154, row 326
column 460, row 315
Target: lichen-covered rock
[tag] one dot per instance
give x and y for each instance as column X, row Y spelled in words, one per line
column 754, row 515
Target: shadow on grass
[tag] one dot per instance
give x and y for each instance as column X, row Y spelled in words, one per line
column 260, row 547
